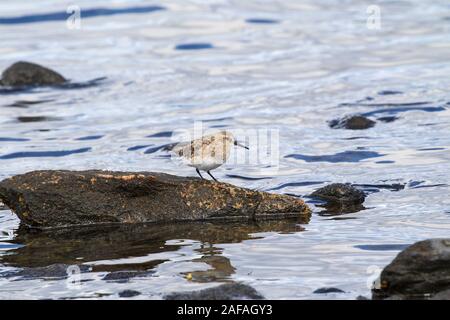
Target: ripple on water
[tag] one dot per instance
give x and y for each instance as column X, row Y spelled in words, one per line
column 262, row 21
column 93, row 137
column 163, row 134
column 382, row 247
column 38, row 154
column 194, row 46
column 86, row 13
column 9, row 139
column 346, row 156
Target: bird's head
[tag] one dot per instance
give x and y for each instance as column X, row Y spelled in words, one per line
column 230, row 138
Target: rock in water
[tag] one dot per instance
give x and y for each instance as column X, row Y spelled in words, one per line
column 328, row 290
column 30, row 74
column 355, row 122
column 63, row 198
column 54, row 271
column 340, row 193
column 340, row 199
column 420, row 271
column 229, row 291
column 128, row 293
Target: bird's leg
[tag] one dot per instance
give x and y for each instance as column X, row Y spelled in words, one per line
column 212, row 176
column 198, row 171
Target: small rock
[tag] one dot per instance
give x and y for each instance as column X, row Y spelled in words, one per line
column 30, row 74
column 229, row 291
column 340, row 193
column 362, row 298
column 125, row 276
column 421, row 271
column 355, row 122
column 129, row 293
column 54, row 271
column 328, row 290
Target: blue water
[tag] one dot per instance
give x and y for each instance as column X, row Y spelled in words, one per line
column 142, row 73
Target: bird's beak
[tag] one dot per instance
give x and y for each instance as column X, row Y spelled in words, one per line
column 240, row 145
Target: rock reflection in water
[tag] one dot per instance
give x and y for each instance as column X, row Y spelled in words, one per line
column 67, row 245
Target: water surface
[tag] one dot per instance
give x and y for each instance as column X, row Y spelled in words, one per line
column 283, row 65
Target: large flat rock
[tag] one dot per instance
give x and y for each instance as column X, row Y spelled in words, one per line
column 50, row 198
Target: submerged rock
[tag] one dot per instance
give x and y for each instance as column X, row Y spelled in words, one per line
column 128, row 293
column 421, row 271
column 54, row 271
column 339, row 199
column 328, row 290
column 62, row 198
column 229, row 291
column 125, row 276
column 354, row 122
column 29, row 74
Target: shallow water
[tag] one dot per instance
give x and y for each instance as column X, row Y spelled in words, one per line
column 282, row 65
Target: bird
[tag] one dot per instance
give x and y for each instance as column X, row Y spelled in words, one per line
column 208, row 152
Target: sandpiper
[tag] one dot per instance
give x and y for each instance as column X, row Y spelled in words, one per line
column 208, row 152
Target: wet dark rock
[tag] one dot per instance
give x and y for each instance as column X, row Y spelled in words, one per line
column 328, row 290
column 29, row 74
column 129, row 293
column 354, row 122
column 339, row 199
column 229, row 291
column 54, row 271
column 62, row 198
column 125, row 276
column 340, row 193
column 421, row 271
column 362, row 298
